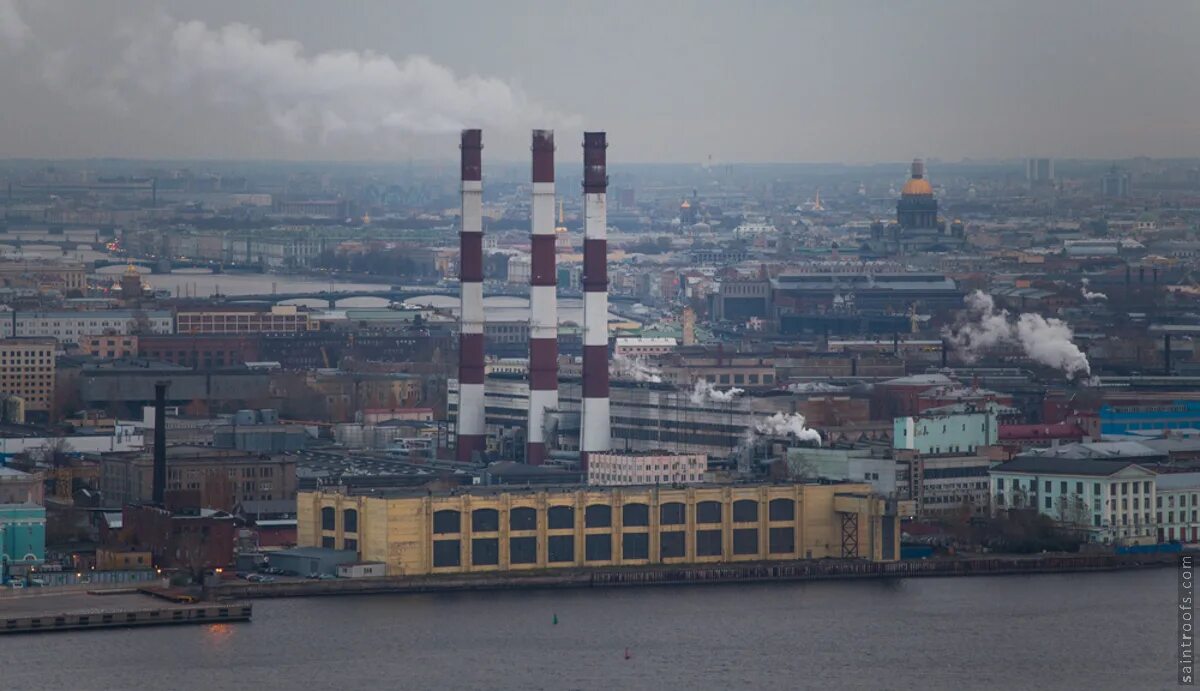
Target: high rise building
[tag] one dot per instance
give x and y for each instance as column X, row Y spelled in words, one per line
column 1039, row 171
column 27, row 371
column 1115, row 183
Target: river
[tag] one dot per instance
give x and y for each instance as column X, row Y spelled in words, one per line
column 1072, row 631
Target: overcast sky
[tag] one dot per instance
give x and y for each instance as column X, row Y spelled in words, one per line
column 669, row 81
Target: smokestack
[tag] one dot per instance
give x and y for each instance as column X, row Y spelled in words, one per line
column 471, row 425
column 543, row 301
column 596, row 433
column 160, row 442
column 1167, row 353
column 945, row 353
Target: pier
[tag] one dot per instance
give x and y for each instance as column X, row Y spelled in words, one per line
column 81, row 611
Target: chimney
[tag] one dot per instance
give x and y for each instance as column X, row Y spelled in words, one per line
column 471, row 442
column 543, row 301
column 945, row 353
column 1167, row 353
column 160, row 442
column 596, row 433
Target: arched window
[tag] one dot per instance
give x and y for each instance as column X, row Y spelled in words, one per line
column 597, row 516
column 485, row 520
column 560, row 517
column 672, row 513
column 782, row 510
column 350, row 520
column 328, row 517
column 745, row 511
column 522, row 518
column 708, row 512
column 635, row 515
column 447, row 521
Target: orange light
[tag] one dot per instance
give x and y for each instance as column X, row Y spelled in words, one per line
column 219, row 570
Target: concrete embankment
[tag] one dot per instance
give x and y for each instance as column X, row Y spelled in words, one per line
column 677, row 574
column 82, row 611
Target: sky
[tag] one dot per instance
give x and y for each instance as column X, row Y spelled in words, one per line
column 670, row 81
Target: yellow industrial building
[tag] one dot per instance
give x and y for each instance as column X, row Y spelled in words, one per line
column 473, row 529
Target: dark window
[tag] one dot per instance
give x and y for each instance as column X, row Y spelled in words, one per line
column 598, row 547
column 708, row 543
column 522, row 550
column 561, row 548
column 782, row 540
column 597, row 516
column 446, row 521
column 327, row 542
column 351, row 543
column 485, row 520
column 672, row 514
column 445, row 552
column 522, row 518
column 782, row 510
column 328, row 516
column 745, row 511
column 708, row 512
column 485, row 551
column 350, row 521
column 635, row 514
column 635, row 546
column 561, row 517
column 745, row 541
column 671, row 544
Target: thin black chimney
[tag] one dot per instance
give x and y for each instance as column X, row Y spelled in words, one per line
column 945, row 353
column 160, row 442
column 1167, row 353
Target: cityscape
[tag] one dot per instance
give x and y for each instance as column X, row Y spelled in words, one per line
column 418, row 375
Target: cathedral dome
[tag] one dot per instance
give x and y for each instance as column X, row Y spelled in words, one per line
column 917, row 186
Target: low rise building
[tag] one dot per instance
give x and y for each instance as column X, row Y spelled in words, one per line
column 1177, row 507
column 19, row 487
column 1108, row 501
column 221, row 477
column 22, row 538
column 234, row 320
column 645, row 468
column 471, row 529
column 959, row 428
column 70, row 327
column 27, row 371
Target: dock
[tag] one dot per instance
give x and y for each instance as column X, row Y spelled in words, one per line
column 46, row 612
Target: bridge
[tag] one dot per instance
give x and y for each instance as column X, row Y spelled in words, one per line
column 165, row 266
column 393, row 294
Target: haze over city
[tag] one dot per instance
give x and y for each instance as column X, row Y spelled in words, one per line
column 671, row 81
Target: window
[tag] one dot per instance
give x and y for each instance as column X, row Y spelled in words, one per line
column 522, row 518
column 1079, row 488
column 328, row 516
column 598, row 547
column 350, row 543
column 350, row 521
column 634, row 546
column 597, row 516
column 1048, row 500
column 446, row 521
column 672, row 514
column 708, row 543
column 782, row 510
column 485, row 521
column 327, row 542
column 522, row 550
column 745, row 511
column 671, row 544
column 635, row 515
column 781, row 540
column 745, row 541
column 485, row 551
column 561, row 548
column 1062, row 487
column 446, row 552
column 708, row 512
column 1048, row 486
column 561, row 517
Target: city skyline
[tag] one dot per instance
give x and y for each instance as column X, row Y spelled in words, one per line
column 670, row 82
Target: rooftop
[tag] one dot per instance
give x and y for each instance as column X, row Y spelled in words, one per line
column 1065, row 466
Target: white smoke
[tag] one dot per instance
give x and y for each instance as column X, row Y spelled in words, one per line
column 787, row 424
column 1089, row 295
column 1047, row 341
column 814, row 387
column 305, row 96
column 703, row 392
column 635, row 369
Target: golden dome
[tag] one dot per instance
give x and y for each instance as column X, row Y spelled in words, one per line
column 917, row 186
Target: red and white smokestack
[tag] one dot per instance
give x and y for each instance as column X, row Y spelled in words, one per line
column 595, row 435
column 471, row 425
column 543, row 301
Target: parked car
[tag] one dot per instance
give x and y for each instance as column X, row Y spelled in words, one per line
column 16, row 585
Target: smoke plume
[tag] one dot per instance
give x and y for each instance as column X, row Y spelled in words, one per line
column 1089, row 295
column 635, row 369
column 704, row 392
column 785, row 424
column 1047, row 341
column 303, row 95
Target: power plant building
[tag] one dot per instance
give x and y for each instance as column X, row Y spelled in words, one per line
column 480, row 529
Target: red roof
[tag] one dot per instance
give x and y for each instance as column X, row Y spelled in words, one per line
column 1059, row 430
